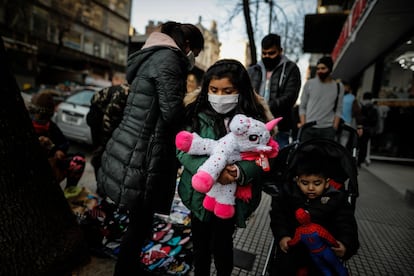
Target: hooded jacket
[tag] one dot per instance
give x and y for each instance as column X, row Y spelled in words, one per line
column 285, row 84
column 139, row 160
column 331, row 210
column 193, row 200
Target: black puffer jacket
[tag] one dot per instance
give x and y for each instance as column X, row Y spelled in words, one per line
column 331, row 210
column 139, row 160
column 285, row 84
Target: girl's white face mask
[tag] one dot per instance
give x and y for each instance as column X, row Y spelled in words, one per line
column 224, row 103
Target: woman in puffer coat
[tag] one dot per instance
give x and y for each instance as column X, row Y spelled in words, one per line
column 139, row 166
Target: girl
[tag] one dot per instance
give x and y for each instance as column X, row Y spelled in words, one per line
column 226, row 91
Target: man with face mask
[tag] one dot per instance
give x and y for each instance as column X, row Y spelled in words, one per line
column 278, row 81
column 321, row 101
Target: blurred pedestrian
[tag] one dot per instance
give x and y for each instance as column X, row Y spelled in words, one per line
column 369, row 117
column 321, row 101
column 351, row 115
column 139, row 167
column 64, row 164
column 105, row 114
column 193, row 87
column 278, row 80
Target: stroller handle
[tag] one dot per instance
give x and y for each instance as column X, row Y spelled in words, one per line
column 303, row 127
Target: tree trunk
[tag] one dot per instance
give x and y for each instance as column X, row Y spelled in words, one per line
column 249, row 29
column 39, row 234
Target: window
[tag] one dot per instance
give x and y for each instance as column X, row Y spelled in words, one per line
column 40, row 22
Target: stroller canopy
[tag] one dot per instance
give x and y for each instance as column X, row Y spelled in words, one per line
column 337, row 162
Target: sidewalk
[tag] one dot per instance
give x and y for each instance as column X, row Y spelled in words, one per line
column 385, row 221
column 398, row 176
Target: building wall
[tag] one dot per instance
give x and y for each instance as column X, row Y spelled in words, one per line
column 206, row 58
column 76, row 36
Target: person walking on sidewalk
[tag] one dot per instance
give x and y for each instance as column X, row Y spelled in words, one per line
column 369, row 117
column 321, row 101
column 351, row 116
column 139, row 165
column 278, row 80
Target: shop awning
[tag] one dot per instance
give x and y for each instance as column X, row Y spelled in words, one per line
column 382, row 25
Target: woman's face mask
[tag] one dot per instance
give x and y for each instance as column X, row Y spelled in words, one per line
column 223, row 104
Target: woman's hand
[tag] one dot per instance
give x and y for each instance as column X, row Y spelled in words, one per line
column 340, row 250
column 228, row 175
column 283, row 244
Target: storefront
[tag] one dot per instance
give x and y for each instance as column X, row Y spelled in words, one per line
column 376, row 51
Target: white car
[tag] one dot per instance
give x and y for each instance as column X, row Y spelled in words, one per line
column 70, row 116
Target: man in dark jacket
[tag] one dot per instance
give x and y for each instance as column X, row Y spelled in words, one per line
column 139, row 166
column 278, row 80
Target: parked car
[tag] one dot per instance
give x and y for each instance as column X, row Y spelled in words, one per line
column 70, row 116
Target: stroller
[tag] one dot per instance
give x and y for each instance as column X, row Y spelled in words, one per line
column 344, row 174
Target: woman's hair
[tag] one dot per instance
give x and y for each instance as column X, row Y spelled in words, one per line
column 183, row 35
column 173, row 29
column 193, row 35
column 238, row 76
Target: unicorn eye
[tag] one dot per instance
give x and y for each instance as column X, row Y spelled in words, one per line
column 253, row 137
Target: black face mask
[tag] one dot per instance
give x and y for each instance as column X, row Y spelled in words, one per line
column 271, row 63
column 323, row 76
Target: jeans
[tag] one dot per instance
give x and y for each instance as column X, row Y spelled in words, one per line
column 282, row 138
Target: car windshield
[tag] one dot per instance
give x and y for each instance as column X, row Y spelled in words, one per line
column 81, row 98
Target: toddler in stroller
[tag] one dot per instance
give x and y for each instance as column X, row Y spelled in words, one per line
column 319, row 176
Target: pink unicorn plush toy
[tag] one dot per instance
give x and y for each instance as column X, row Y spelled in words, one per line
column 248, row 139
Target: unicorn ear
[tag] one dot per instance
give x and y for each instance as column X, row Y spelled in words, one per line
column 271, row 124
column 240, row 124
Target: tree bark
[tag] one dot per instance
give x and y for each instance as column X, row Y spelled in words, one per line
column 39, row 234
column 249, row 30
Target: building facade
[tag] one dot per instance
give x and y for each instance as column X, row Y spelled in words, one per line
column 206, row 58
column 375, row 51
column 50, row 41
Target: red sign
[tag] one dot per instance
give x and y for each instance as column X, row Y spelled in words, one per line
column 350, row 24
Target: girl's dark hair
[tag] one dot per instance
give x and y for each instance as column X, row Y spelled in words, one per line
column 173, row 29
column 238, row 76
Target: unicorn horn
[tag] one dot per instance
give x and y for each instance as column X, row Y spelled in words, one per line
column 271, row 124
